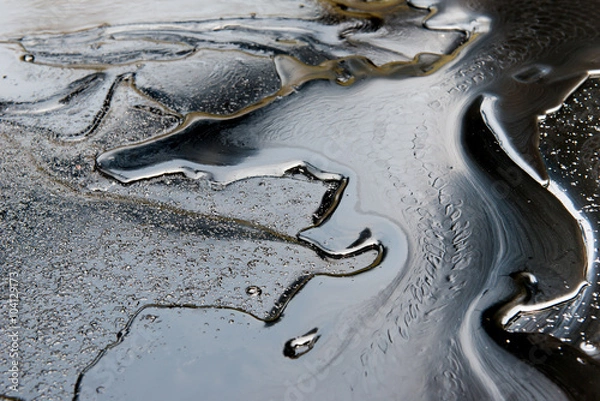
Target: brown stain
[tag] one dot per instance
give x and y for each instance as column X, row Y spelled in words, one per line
column 365, row 9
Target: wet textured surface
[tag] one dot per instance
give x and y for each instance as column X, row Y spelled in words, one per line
column 330, row 200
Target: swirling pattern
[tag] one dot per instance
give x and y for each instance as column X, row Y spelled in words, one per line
column 370, row 183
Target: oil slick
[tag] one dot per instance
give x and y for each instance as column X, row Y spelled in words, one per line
column 441, row 210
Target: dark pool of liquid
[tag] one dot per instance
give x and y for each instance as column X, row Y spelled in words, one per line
column 328, row 201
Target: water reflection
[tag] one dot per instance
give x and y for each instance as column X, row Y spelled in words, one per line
column 431, row 240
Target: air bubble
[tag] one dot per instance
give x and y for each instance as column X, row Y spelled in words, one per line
column 588, row 347
column 344, row 78
column 298, row 346
column 253, row 291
